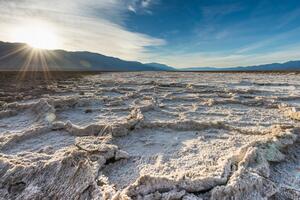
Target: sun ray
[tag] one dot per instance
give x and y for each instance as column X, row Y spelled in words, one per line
column 40, row 37
column 24, row 67
column 43, row 58
column 14, row 52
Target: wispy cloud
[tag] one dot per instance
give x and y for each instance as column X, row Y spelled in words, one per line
column 269, row 41
column 140, row 6
column 81, row 25
column 225, row 59
column 210, row 25
column 248, row 41
column 214, row 12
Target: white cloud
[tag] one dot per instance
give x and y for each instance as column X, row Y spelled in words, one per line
column 131, row 8
column 146, row 3
column 140, row 6
column 88, row 25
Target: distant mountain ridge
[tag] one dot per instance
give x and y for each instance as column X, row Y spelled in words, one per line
column 287, row 66
column 162, row 66
column 19, row 56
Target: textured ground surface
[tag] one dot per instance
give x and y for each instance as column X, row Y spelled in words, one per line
column 151, row 136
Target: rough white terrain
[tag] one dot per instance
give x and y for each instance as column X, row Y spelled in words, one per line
column 153, row 136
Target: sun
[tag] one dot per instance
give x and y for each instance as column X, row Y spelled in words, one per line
column 37, row 35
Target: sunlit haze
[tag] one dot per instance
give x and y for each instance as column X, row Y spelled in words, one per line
column 36, row 34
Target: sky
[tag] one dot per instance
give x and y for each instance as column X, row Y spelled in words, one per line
column 179, row 33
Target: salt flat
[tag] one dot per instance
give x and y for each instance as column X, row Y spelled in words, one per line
column 152, row 135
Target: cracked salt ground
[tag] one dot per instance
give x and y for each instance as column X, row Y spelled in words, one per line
column 153, row 136
column 88, row 115
column 287, row 174
column 48, row 142
column 239, row 115
column 174, row 154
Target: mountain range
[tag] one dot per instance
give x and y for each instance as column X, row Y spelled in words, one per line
column 20, row 56
column 287, row 66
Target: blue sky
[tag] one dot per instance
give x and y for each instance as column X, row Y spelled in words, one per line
column 181, row 33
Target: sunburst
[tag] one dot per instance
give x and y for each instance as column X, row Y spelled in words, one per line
column 37, row 34
column 40, row 37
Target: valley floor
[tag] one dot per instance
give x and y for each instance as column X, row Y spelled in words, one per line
column 151, row 135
